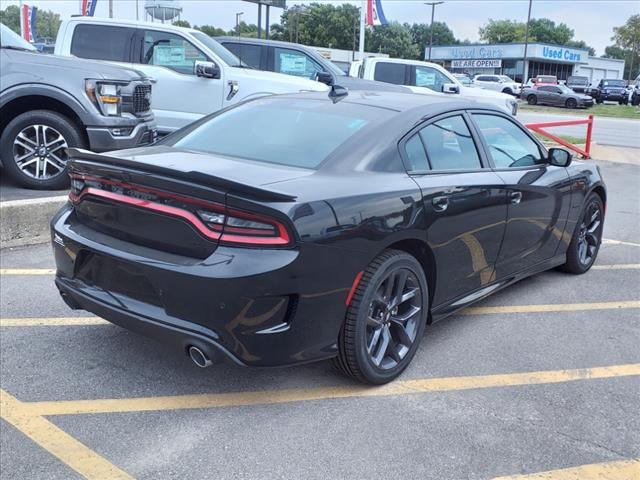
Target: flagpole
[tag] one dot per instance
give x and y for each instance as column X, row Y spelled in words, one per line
column 363, row 13
column 21, row 21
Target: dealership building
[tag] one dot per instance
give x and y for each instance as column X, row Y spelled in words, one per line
column 542, row 59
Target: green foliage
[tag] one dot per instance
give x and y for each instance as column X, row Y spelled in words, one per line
column 581, row 44
column 47, row 22
column 421, row 35
column 323, row 25
column 182, row 23
column 627, row 46
column 393, row 39
column 10, row 17
column 503, row 31
column 211, row 30
column 546, row 31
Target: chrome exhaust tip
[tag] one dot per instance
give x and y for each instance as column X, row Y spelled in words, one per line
column 198, row 357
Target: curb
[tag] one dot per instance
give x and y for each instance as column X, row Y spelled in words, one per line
column 26, row 222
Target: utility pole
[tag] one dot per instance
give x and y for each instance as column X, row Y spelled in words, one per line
column 433, row 11
column 363, row 13
column 259, row 20
column 110, row 8
column 238, row 15
column 525, row 67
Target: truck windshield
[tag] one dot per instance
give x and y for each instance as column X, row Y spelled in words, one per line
column 287, row 131
column 10, row 39
column 614, row 83
column 225, row 55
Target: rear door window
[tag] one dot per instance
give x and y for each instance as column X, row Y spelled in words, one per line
column 102, row 42
column 249, row 54
column 416, row 155
column 390, row 73
column 450, row 145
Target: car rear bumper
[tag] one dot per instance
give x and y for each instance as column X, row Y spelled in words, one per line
column 255, row 307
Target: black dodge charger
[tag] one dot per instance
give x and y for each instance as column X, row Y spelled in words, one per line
column 297, row 228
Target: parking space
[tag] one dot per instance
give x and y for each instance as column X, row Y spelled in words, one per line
column 541, row 377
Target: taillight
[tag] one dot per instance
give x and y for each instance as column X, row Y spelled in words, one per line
column 212, row 219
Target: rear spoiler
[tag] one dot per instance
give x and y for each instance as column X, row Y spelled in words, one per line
column 79, row 158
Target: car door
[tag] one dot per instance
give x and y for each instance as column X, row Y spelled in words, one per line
column 294, row 62
column 179, row 96
column 539, row 194
column 464, row 202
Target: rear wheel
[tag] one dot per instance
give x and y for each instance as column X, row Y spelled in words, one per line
column 33, row 148
column 587, row 237
column 385, row 320
column 571, row 103
column 532, row 100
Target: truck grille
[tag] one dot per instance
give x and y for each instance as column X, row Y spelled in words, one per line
column 142, row 98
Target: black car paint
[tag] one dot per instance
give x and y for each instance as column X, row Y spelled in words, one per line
column 282, row 306
column 616, row 93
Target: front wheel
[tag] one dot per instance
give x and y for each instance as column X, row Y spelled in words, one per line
column 532, row 100
column 571, row 103
column 587, row 237
column 385, row 320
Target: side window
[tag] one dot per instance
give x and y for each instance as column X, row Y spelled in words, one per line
column 508, row 144
column 102, row 42
column 249, row 54
column 430, row 78
column 482, row 78
column 170, row 50
column 291, row 62
column 450, row 145
column 416, row 155
column 390, row 73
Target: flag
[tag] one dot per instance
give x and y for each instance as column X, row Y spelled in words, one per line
column 29, row 22
column 375, row 15
column 88, row 7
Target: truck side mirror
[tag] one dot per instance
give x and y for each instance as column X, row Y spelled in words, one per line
column 206, row 69
column 324, row 77
column 450, row 88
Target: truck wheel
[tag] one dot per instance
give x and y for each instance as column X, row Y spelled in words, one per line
column 33, row 149
column 532, row 100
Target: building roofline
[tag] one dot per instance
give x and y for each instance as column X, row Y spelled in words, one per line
column 510, row 43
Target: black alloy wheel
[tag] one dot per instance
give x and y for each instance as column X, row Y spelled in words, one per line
column 571, row 103
column 386, row 319
column 532, row 100
column 587, row 238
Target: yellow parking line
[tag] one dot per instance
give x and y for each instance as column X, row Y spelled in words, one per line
column 404, row 387
column 619, row 470
column 57, row 442
column 618, row 266
column 51, row 322
column 608, row 241
column 560, row 307
column 27, row 271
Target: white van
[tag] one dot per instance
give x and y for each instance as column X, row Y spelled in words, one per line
column 192, row 74
column 429, row 79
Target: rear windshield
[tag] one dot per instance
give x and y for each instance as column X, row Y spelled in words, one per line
column 578, row 80
column 299, row 133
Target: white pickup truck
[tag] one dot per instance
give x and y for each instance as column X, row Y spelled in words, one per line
column 427, row 78
column 192, row 74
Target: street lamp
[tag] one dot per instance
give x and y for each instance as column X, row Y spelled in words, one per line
column 433, row 11
column 238, row 15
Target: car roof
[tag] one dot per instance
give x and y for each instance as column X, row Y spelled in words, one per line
column 263, row 41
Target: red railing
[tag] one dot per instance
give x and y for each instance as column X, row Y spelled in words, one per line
column 539, row 128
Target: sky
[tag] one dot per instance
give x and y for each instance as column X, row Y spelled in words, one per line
column 592, row 20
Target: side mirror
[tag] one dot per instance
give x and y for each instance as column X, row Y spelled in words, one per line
column 450, row 88
column 206, row 69
column 324, row 77
column 559, row 157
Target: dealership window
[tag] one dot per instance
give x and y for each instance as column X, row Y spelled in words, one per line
column 560, row 70
column 171, row 51
column 390, row 73
column 114, row 43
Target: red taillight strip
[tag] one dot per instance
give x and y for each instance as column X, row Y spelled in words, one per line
column 282, row 239
column 352, row 292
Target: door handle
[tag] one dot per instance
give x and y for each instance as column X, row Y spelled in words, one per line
column 440, row 204
column 515, row 198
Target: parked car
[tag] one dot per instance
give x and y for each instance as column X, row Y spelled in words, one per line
column 579, row 84
column 541, row 80
column 465, row 80
column 429, row 79
column 49, row 103
column 193, row 75
column 556, row 95
column 635, row 95
column 299, row 61
column 498, row 83
column 297, row 228
column 611, row 90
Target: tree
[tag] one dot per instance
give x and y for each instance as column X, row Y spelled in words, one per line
column 182, row 23
column 581, row 44
column 503, row 31
column 546, row 31
column 10, row 17
column 627, row 38
column 393, row 39
column 421, row 35
column 47, row 22
column 211, row 30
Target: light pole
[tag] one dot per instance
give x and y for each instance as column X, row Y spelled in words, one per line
column 433, row 11
column 526, row 44
column 238, row 15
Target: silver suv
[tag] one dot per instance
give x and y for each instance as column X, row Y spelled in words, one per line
column 49, row 103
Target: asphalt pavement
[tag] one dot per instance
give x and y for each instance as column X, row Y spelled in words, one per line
column 544, row 376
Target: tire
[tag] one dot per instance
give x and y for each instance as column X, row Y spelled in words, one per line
column 571, row 103
column 598, row 101
column 39, row 132
column 532, row 100
column 508, row 91
column 587, row 237
column 376, row 344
